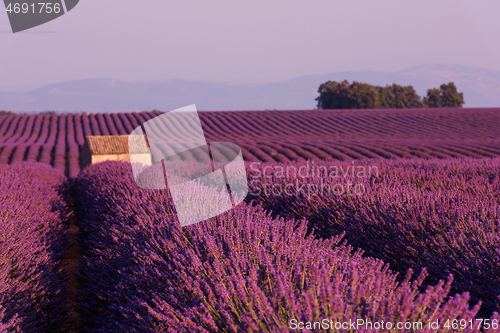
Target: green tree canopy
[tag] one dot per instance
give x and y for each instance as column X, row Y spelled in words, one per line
column 450, row 97
column 342, row 95
column 358, row 95
column 363, row 96
column 446, row 96
column 333, row 95
column 399, row 97
column 3, row 113
column 433, row 99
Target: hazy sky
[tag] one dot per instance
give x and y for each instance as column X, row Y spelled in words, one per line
column 248, row 41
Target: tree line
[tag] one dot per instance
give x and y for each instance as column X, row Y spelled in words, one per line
column 358, row 95
column 8, row 113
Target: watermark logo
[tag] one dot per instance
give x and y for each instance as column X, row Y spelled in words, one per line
column 26, row 14
column 309, row 179
column 171, row 151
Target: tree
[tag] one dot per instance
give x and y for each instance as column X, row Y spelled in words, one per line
column 342, row 95
column 433, row 99
column 399, row 97
column 333, row 95
column 444, row 97
column 363, row 96
column 4, row 113
column 450, row 98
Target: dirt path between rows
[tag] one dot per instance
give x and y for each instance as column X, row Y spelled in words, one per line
column 70, row 268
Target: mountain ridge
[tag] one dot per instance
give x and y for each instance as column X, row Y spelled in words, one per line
column 481, row 88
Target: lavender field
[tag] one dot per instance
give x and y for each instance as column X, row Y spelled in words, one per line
column 347, row 218
column 271, row 136
column 32, row 220
column 246, row 271
column 442, row 215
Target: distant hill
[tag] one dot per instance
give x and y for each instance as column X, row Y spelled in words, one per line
column 481, row 88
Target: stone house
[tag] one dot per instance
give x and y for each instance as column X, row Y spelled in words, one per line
column 115, row 148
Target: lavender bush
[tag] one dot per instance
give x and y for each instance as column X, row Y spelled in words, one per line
column 242, row 271
column 31, row 244
column 439, row 214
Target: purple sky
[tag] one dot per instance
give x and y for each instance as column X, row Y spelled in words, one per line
column 248, row 41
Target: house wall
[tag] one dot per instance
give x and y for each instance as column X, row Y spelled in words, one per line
column 140, row 158
column 144, row 159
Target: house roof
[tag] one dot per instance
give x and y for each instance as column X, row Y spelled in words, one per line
column 117, row 144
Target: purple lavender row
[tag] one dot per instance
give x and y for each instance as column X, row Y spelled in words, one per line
column 242, row 271
column 31, row 245
column 439, row 214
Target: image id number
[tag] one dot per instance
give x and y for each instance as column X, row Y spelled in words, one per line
column 41, row 7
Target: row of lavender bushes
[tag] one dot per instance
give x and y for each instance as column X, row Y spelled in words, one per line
column 32, row 238
column 243, row 271
column 443, row 215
